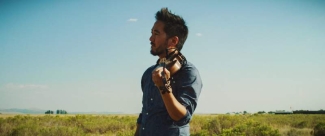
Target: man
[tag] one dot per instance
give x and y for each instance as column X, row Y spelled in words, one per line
column 169, row 99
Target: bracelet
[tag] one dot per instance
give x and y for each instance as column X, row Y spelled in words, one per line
column 165, row 88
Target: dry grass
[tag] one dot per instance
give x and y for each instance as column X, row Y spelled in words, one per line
column 291, row 131
column 268, row 125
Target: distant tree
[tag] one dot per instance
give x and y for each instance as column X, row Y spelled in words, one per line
column 271, row 112
column 49, row 112
column 245, row 112
column 261, row 112
column 61, row 112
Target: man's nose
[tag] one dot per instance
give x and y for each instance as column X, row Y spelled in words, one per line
column 151, row 38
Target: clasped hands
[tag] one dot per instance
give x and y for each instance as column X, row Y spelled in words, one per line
column 157, row 76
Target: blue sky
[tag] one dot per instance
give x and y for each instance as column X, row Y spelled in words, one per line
column 90, row 55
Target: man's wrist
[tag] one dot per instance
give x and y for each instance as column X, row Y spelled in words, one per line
column 165, row 88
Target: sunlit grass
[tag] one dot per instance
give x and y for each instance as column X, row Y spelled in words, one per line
column 268, row 125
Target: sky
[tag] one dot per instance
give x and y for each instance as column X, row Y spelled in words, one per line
column 89, row 56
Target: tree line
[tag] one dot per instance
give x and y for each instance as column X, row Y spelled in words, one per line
column 57, row 112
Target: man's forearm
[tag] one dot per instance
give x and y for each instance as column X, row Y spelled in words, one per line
column 175, row 109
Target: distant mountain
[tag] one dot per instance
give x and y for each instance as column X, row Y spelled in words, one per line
column 23, row 111
column 40, row 111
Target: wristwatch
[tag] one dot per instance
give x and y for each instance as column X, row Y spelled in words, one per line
column 165, row 88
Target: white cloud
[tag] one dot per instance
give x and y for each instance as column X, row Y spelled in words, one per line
column 198, row 34
column 25, row 86
column 132, row 20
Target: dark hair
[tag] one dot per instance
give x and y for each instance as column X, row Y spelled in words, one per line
column 174, row 26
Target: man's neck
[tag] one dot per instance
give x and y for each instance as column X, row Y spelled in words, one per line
column 161, row 56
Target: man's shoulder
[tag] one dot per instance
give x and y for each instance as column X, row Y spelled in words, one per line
column 188, row 69
column 188, row 66
column 189, row 75
column 149, row 70
column 188, row 63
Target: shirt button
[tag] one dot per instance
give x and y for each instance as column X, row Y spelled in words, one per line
column 173, row 81
column 142, row 128
column 151, row 99
column 147, row 113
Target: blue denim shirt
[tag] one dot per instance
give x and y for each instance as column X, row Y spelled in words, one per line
column 154, row 118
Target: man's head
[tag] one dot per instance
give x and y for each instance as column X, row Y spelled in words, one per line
column 169, row 30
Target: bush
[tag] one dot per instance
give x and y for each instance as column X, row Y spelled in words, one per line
column 201, row 125
column 251, row 128
column 213, row 126
column 202, row 133
column 299, row 132
column 301, row 124
column 319, row 129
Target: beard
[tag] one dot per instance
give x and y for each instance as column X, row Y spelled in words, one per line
column 159, row 50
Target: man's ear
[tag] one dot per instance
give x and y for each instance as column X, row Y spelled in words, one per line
column 172, row 42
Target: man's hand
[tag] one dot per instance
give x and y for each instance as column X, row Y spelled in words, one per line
column 157, row 76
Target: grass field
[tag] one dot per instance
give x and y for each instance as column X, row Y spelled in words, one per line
column 124, row 125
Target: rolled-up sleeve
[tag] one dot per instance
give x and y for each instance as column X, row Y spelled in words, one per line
column 188, row 91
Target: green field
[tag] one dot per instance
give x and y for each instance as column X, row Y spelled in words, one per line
column 124, row 125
